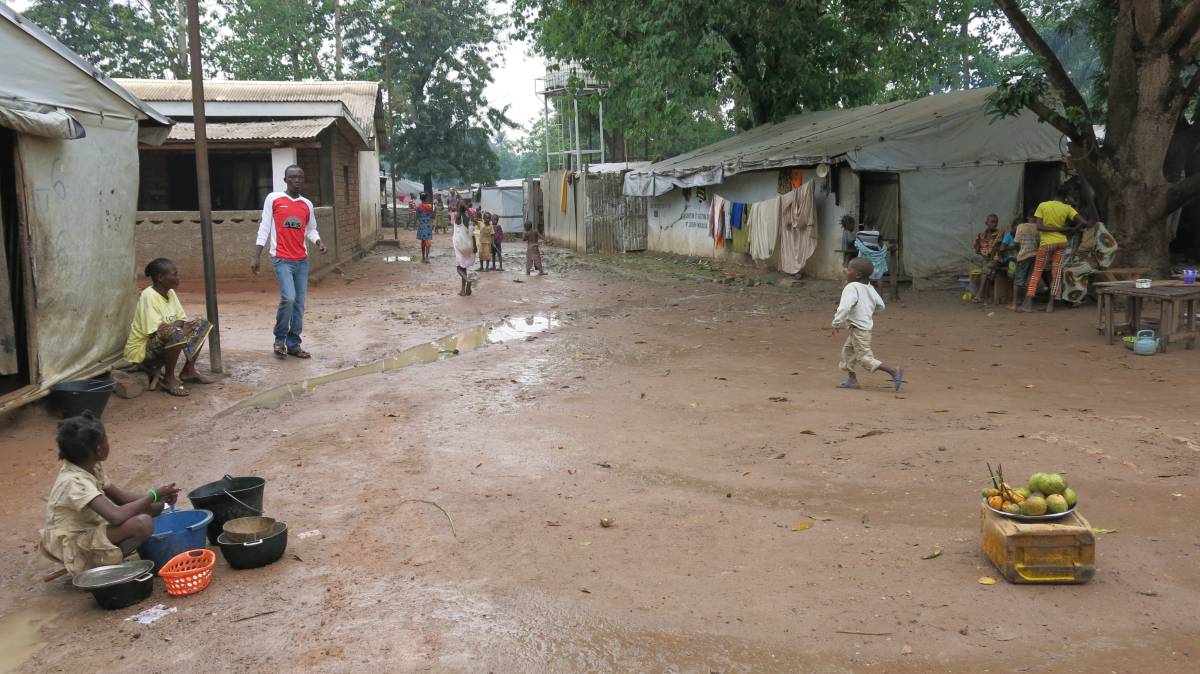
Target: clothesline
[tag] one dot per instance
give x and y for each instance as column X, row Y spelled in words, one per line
column 728, row 222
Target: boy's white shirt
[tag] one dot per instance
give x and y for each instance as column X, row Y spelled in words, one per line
column 859, row 303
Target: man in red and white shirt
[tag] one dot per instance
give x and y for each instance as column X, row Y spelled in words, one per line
column 287, row 220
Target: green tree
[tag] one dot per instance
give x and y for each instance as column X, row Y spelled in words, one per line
column 276, row 39
column 134, row 38
column 434, row 58
column 1145, row 165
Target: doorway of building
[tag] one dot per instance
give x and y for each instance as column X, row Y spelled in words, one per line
column 879, row 204
column 1041, row 179
column 14, row 354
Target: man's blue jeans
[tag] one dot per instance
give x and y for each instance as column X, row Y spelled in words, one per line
column 292, row 276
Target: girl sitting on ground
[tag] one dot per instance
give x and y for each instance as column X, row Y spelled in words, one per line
column 90, row 521
column 161, row 332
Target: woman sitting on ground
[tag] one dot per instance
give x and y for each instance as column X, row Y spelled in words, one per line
column 161, row 332
column 90, row 521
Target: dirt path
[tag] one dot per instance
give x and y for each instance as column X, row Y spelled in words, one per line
column 702, row 419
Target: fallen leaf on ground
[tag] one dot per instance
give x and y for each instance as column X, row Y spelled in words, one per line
column 936, row 552
column 1147, row 594
column 820, row 519
column 997, row 411
column 552, row 523
column 807, row 432
column 745, row 473
column 606, row 522
column 940, row 411
column 695, row 405
column 603, row 464
column 872, row 433
column 802, row 525
column 585, row 543
column 585, row 590
column 1029, row 386
column 987, row 580
column 778, row 399
column 232, row 449
column 907, row 650
column 997, row 346
column 966, row 349
column 779, row 455
column 1098, row 530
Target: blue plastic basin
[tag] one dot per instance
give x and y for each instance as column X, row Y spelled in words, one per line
column 175, row 532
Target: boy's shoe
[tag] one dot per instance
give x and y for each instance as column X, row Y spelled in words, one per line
column 848, row 384
column 898, row 378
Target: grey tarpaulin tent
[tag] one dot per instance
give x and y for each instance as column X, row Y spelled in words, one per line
column 506, row 199
column 70, row 163
column 951, row 158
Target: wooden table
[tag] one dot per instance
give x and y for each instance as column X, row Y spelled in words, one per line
column 1177, row 304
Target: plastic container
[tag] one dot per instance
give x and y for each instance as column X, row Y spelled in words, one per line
column 1037, row 552
column 1189, row 276
column 72, row 398
column 229, row 498
column 175, row 531
column 188, row 572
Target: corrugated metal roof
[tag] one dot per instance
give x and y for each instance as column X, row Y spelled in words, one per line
column 942, row 130
column 291, row 129
column 31, row 29
column 360, row 98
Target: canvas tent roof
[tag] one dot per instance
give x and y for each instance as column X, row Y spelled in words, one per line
column 360, row 100
column 942, row 131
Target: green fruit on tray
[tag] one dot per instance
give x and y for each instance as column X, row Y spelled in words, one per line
column 990, row 491
column 1012, row 508
column 1053, row 483
column 1034, row 505
column 1071, row 496
column 1056, row 503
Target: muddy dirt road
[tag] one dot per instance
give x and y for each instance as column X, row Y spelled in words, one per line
column 703, row 420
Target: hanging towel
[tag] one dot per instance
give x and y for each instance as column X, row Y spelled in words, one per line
column 735, row 219
column 798, row 234
column 717, row 217
column 741, row 235
column 764, row 228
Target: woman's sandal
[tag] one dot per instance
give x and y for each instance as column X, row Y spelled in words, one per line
column 179, row 391
column 299, row 353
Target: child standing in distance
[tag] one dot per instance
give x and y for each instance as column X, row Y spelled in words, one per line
column 483, row 240
column 464, row 248
column 1025, row 240
column 856, row 313
column 425, row 227
column 533, row 250
column 90, row 521
column 497, row 242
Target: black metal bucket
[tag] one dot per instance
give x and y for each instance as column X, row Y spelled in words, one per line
column 72, row 398
column 228, row 499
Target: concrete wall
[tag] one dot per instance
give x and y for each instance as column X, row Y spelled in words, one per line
column 176, row 235
column 368, row 200
column 563, row 228
column 680, row 226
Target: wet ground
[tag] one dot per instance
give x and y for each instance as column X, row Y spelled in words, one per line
column 701, row 418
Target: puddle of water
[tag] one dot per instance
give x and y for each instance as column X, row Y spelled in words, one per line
column 508, row 330
column 19, row 638
column 397, row 258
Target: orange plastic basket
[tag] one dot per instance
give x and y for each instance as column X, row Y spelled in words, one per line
column 188, row 572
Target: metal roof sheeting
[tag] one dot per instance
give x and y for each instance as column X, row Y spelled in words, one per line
column 945, row 130
column 360, row 98
column 292, row 129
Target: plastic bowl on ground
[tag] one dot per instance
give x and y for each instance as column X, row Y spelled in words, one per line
column 229, row 498
column 175, row 531
column 258, row 553
column 72, row 398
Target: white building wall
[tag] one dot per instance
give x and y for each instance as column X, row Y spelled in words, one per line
column 368, row 199
column 281, row 158
column 679, row 226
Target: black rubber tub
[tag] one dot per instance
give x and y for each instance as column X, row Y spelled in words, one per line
column 119, row 585
column 228, row 499
column 258, row 553
column 73, row 397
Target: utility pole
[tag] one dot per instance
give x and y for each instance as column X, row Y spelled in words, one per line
column 202, row 187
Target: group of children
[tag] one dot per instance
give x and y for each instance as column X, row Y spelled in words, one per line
column 1024, row 250
column 479, row 237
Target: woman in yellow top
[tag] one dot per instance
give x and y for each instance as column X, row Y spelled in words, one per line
column 161, row 332
column 90, row 521
column 1055, row 219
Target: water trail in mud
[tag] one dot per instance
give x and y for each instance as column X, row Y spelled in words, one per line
column 449, row 346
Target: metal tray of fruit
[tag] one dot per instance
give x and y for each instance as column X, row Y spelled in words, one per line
column 1048, row 517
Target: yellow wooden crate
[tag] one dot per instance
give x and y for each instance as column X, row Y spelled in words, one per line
column 1039, row 552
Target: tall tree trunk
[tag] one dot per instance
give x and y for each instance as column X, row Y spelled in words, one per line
column 179, row 65
column 337, row 40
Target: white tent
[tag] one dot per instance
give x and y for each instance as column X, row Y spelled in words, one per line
column 932, row 168
column 506, row 199
column 70, row 163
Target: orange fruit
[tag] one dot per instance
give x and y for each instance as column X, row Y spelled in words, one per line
column 996, row 502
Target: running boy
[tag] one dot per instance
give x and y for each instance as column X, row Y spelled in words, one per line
column 856, row 313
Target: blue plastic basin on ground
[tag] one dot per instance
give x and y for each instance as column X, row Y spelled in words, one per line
column 175, row 532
